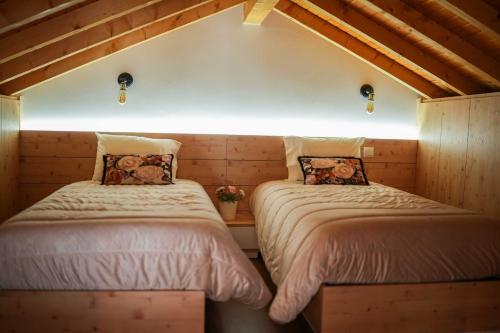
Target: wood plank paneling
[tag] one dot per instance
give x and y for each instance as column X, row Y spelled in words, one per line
column 65, row 25
column 453, row 152
column 14, row 14
column 255, row 172
column 430, row 118
column 394, row 151
column 47, row 170
column 84, row 144
column 102, row 311
column 399, row 175
column 87, row 38
column 99, row 51
column 368, row 30
column 52, row 159
column 256, row 148
column 32, row 193
column 459, row 154
column 411, row 308
column 9, row 156
column 482, row 180
column 205, row 172
column 419, row 82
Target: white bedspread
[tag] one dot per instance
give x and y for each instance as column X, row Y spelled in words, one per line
column 92, row 237
column 310, row 235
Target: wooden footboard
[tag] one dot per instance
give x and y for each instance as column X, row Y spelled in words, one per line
column 430, row 307
column 102, row 311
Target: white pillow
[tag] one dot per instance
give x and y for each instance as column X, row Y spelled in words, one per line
column 128, row 145
column 296, row 146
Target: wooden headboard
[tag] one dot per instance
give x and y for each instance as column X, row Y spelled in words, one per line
column 50, row 160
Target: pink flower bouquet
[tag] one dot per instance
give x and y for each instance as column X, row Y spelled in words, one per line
column 230, row 193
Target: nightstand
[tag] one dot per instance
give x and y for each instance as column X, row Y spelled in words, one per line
column 243, row 230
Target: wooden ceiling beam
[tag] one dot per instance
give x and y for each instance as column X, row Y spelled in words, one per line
column 476, row 12
column 15, row 13
column 100, row 51
column 256, row 11
column 441, row 37
column 359, row 49
column 91, row 37
column 349, row 19
column 65, row 25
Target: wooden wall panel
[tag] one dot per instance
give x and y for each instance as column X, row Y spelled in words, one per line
column 255, row 172
column 52, row 159
column 9, row 156
column 453, row 152
column 257, row 148
column 429, row 117
column 459, row 154
column 399, row 175
column 482, row 180
column 392, row 151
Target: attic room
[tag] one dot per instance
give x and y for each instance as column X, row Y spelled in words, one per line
column 324, row 166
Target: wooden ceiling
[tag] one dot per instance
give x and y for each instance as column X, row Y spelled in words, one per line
column 436, row 47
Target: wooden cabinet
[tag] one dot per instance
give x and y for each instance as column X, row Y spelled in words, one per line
column 459, row 152
column 9, row 156
column 482, row 175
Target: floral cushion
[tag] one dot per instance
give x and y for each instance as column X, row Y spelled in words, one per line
column 333, row 170
column 137, row 169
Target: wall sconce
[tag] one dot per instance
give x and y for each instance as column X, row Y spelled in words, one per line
column 368, row 92
column 124, row 80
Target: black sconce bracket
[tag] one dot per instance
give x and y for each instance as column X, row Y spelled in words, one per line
column 126, row 78
column 366, row 90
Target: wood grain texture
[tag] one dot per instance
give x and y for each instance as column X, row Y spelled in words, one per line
column 453, row 152
column 14, row 13
column 256, row 11
column 458, row 155
column 52, row 159
column 482, row 179
column 399, row 175
column 66, row 25
column 479, row 13
column 429, row 117
column 432, row 35
column 9, row 156
column 85, row 39
column 102, row 311
column 410, row 308
column 321, row 26
column 365, row 28
column 132, row 38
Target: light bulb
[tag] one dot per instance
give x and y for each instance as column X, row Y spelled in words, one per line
column 370, row 106
column 122, row 97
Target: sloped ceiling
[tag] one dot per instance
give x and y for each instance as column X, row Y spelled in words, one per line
column 436, row 47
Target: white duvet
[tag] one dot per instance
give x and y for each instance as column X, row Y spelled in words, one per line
column 315, row 234
column 92, row 237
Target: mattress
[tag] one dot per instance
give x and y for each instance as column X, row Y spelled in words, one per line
column 88, row 236
column 311, row 235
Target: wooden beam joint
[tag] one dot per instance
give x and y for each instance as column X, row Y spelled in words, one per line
column 257, row 10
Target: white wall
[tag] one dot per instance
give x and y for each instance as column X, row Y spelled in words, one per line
column 220, row 76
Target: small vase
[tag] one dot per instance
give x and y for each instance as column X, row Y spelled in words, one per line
column 228, row 209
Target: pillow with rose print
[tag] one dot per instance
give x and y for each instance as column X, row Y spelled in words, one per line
column 296, row 146
column 333, row 170
column 137, row 169
column 127, row 145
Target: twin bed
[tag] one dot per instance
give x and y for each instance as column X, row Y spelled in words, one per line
column 353, row 258
column 374, row 259
column 119, row 249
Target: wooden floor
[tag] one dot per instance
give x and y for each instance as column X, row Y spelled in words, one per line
column 233, row 317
